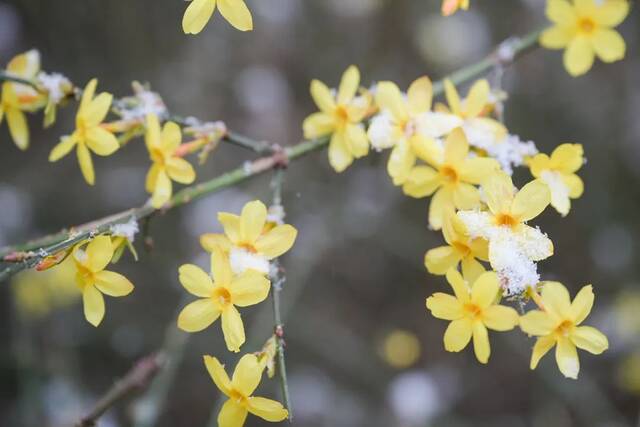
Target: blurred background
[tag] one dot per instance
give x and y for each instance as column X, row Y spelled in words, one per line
column 361, row 348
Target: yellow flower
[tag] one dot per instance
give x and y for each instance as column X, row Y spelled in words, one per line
column 584, row 28
column 557, row 324
column 461, row 248
column 404, row 123
column 451, row 176
column 17, row 97
column 340, row 115
column 94, row 280
column 449, row 7
column 249, row 240
column 89, row 134
column 199, row 12
column 239, row 390
column 472, row 311
column 162, row 146
column 558, row 172
column 219, row 298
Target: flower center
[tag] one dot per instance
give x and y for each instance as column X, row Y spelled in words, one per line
column 472, row 310
column 462, row 248
column 506, row 220
column 564, row 328
column 247, row 247
column 222, row 296
column 156, row 156
column 237, row 397
column 586, row 25
column 449, row 174
column 342, row 114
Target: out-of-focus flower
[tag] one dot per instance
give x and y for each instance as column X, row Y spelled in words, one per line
column 199, row 12
column 449, row 7
column 400, row 348
column 471, row 311
column 461, row 248
column 558, row 172
column 556, row 323
column 89, row 134
column 94, row 280
column 249, row 239
column 18, row 98
column 162, row 145
column 219, row 298
column 584, row 28
column 340, row 116
column 450, row 176
column 239, row 389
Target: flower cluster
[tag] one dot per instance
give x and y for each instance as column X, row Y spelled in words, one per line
column 463, row 156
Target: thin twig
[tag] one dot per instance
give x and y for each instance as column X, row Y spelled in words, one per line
column 8, row 77
column 136, row 380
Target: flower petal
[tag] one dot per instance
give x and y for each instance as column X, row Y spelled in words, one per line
column 86, row 164
column 466, row 196
column 389, row 97
column 589, row 339
column 237, row 13
column 500, row 318
column 232, row 414
column 18, row 128
column 427, row 149
column 477, row 98
column 99, row 253
column 113, row 284
column 252, row 220
column 453, row 99
column 481, row 346
column 444, row 306
column 348, row 85
column 537, row 322
column 322, row 96
column 87, row 94
column 231, row 225
column 498, row 190
column 471, row 269
column 441, row 205
column 93, row 303
column 233, row 329
column 401, row 162
column 608, row 45
column 456, row 147
column 567, row 358
column 170, row 138
column 63, row 148
column 267, row 409
column 457, row 335
column 420, row 95
column 162, row 190
column 318, row 124
column 220, row 267
column 611, row 13
column 485, row 289
column 180, row 170
column 542, row 346
column 557, row 37
column 459, row 285
column 101, row 141
column 247, row 375
column 210, row 241
column 339, row 155
column 531, row 200
column 218, row 374
column 357, row 140
column 560, row 11
column 198, row 315
column 556, row 299
column 276, row 241
column 579, row 56
column 422, row 181
column 195, row 280
column 477, row 170
column 582, row 304
column 197, row 15
column 440, row 260
column 97, row 109
column 567, row 158
column 250, row 288
column 574, row 184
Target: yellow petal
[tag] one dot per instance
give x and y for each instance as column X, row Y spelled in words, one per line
column 231, row 225
column 574, row 184
column 26, row 64
column 557, row 37
column 237, row 13
column 99, row 252
column 87, row 94
column 180, row 170
column 457, row 335
column 459, row 285
column 466, row 196
column 18, row 128
column 198, row 315
column 63, row 148
column 232, row 414
column 538, row 323
column 339, row 155
column 578, row 58
column 498, row 190
column 500, row 318
column 556, row 299
column 210, row 241
column 322, row 97
column 101, row 141
column 477, row 170
column 582, row 305
column 276, row 241
column 531, row 200
column 567, row 158
column 440, row 260
column 171, row 137
column 233, row 329
column 456, row 147
column 388, row 97
column 427, row 149
column 348, row 85
column 195, row 280
column 250, row 288
column 162, row 191
column 318, row 124
column 441, row 205
column 247, row 375
column 453, row 99
column 218, row 374
column 477, row 98
column 542, row 346
column 560, row 11
column 356, row 140
column 97, row 109
column 444, row 306
column 480, row 249
column 252, row 220
column 86, row 164
column 589, row 339
column 422, row 181
column 113, row 284
column 485, row 289
column 401, row 162
column 608, row 45
column 93, row 303
column 481, row 345
column 152, row 177
column 611, row 13
column 220, row 268
column 267, row 409
column 152, row 133
column 197, row 15
column 420, row 95
column 538, row 164
column 567, row 358
column 471, row 269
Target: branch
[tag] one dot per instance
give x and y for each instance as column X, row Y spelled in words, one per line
column 505, row 54
column 135, row 380
column 8, row 77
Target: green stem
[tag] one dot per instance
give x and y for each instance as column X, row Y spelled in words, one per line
column 8, row 77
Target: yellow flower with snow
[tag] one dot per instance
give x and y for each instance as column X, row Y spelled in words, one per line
column 340, row 116
column 219, row 297
column 450, row 176
column 250, row 241
column 556, row 323
column 17, row 97
column 460, row 249
column 239, row 389
column 405, row 122
column 93, row 280
column 584, row 28
column 449, row 7
column 89, row 134
column 558, row 172
column 471, row 311
column 162, row 145
column 199, row 12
